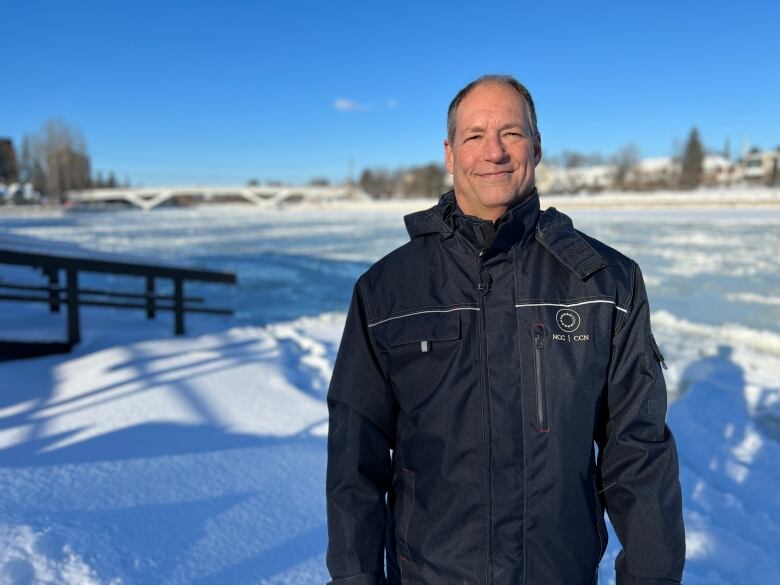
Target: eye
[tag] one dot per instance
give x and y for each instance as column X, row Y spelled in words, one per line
column 473, row 137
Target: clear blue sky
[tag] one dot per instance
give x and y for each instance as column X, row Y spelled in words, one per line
column 219, row 92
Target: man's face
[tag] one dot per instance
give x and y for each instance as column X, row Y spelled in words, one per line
column 492, row 156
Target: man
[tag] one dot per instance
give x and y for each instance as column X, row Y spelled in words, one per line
column 479, row 364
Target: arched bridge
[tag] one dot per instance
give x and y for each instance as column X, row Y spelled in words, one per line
column 150, row 197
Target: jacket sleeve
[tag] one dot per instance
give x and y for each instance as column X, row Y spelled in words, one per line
column 361, row 433
column 638, row 466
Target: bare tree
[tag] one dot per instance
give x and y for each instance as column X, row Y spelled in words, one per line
column 31, row 164
column 66, row 159
column 425, row 181
column 56, row 160
column 573, row 160
column 625, row 160
column 376, row 183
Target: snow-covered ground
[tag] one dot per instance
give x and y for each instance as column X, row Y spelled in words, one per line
column 141, row 458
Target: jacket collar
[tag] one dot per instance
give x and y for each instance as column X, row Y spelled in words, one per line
column 516, row 225
column 521, row 223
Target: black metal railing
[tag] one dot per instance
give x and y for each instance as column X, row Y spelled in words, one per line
column 70, row 264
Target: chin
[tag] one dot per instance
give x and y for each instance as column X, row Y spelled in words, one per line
column 498, row 197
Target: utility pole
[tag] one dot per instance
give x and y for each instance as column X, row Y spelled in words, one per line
column 350, row 178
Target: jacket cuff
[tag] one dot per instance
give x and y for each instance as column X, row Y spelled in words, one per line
column 628, row 579
column 360, row 579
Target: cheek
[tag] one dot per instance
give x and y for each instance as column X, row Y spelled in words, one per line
column 463, row 163
column 524, row 156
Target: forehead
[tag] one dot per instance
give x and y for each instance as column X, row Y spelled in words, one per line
column 491, row 102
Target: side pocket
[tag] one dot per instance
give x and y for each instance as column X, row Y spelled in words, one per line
column 657, row 352
column 601, row 527
column 656, row 402
column 540, row 373
column 406, row 515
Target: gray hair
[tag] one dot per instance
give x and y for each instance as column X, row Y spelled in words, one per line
column 507, row 80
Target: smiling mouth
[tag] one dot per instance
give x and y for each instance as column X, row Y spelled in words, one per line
column 496, row 174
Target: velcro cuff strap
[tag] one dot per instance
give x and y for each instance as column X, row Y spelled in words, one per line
column 627, row 579
column 360, row 579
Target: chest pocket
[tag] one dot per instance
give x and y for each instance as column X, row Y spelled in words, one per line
column 423, row 329
column 424, row 350
column 566, row 345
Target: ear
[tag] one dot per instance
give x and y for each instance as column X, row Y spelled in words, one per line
column 448, row 156
column 537, row 149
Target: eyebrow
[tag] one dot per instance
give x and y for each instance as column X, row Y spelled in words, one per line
column 481, row 129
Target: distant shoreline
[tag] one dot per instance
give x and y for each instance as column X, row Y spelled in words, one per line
column 754, row 198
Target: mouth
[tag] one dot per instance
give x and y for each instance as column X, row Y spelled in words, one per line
column 495, row 174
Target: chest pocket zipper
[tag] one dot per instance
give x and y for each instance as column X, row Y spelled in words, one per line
column 540, row 373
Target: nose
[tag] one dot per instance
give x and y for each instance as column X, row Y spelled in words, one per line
column 494, row 150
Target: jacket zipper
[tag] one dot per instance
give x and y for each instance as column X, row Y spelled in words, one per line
column 483, row 287
column 541, row 379
column 658, row 355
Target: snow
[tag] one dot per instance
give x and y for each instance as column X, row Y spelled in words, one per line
column 146, row 458
column 188, row 460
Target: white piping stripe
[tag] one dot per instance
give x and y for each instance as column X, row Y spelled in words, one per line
column 571, row 305
column 421, row 312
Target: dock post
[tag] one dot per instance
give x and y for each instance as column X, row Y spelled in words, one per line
column 150, row 304
column 178, row 305
column 54, row 283
column 74, row 325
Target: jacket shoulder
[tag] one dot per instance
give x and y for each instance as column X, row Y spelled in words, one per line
column 613, row 257
column 620, row 271
column 395, row 267
column 591, row 259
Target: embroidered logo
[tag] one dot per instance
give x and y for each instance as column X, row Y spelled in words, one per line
column 568, row 320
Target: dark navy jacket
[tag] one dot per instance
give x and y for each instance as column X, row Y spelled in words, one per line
column 481, row 364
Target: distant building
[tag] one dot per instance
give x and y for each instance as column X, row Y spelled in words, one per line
column 15, row 193
column 762, row 167
column 660, row 172
column 719, row 171
column 593, row 178
column 548, row 178
column 551, row 178
column 8, row 168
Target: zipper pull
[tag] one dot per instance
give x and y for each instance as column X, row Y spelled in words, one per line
column 484, row 285
column 539, row 340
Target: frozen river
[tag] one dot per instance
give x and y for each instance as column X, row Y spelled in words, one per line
column 711, row 267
